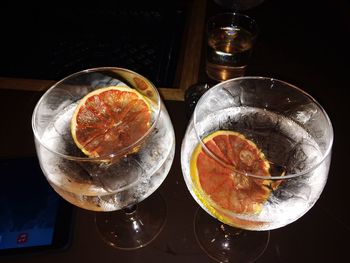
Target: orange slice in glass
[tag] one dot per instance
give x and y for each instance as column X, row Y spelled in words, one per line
column 224, row 187
column 109, row 120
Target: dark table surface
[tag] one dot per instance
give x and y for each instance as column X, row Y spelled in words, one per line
column 304, row 44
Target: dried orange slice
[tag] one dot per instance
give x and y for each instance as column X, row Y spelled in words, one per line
column 222, row 189
column 110, row 119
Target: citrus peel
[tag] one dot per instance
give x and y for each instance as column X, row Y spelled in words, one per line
column 109, row 120
column 226, row 187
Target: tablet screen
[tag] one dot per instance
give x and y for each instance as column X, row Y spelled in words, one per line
column 32, row 215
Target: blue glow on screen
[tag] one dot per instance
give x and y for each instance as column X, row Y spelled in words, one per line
column 35, row 227
column 28, row 205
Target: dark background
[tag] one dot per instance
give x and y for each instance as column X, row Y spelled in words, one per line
column 305, row 43
column 52, row 41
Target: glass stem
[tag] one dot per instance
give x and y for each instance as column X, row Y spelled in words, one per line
column 130, row 210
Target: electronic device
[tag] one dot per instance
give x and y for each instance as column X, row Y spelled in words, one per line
column 33, row 217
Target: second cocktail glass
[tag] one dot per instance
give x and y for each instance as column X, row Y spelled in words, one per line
column 255, row 156
column 105, row 142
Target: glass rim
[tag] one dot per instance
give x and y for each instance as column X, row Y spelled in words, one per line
column 100, row 158
column 251, row 20
column 286, row 176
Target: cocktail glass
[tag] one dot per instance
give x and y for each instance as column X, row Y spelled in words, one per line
column 255, row 156
column 113, row 184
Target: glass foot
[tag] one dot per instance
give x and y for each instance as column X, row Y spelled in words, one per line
column 224, row 243
column 135, row 226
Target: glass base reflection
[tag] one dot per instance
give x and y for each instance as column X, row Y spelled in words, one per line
column 135, row 226
column 224, row 243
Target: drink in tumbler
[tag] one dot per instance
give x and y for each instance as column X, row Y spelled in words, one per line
column 230, row 39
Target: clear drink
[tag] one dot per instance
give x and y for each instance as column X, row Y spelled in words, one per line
column 228, row 52
column 255, row 156
column 230, row 39
column 103, row 186
column 294, row 196
column 105, row 142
